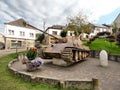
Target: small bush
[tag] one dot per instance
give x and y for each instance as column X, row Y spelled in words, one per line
column 63, row 33
column 32, row 53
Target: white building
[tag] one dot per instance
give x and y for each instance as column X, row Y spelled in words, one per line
column 19, row 33
column 117, row 21
column 55, row 30
column 100, row 28
column 2, row 38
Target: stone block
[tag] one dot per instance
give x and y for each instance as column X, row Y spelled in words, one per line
column 103, row 58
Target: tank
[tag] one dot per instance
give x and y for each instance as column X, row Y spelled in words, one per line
column 68, row 51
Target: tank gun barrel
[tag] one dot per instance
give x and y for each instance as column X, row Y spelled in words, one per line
column 45, row 32
column 48, row 33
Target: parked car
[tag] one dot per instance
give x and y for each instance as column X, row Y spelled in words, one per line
column 2, row 46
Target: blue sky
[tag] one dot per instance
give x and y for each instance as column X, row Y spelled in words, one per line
column 109, row 18
column 55, row 11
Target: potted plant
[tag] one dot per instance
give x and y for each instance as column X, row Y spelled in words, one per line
column 31, row 60
column 32, row 53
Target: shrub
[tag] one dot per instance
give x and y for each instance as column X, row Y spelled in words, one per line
column 40, row 37
column 32, row 53
column 63, row 33
column 118, row 39
column 111, row 38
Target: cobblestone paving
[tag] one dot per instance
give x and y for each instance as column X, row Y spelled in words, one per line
column 109, row 77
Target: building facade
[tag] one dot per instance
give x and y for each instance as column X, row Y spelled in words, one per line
column 19, row 34
column 2, row 38
column 100, row 28
column 117, row 21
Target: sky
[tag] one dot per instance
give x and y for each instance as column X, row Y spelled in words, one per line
column 55, row 12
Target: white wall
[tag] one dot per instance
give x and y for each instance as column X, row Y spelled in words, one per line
column 101, row 29
column 68, row 33
column 2, row 38
column 17, row 32
column 51, row 30
column 59, row 31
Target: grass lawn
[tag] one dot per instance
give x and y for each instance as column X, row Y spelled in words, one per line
column 102, row 43
column 8, row 81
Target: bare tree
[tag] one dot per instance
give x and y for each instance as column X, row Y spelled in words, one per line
column 79, row 23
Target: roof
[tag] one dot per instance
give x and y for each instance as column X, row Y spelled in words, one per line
column 57, row 36
column 21, row 23
column 117, row 20
column 59, row 27
column 1, row 34
column 100, row 25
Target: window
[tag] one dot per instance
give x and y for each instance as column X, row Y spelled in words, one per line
column 70, row 34
column 15, row 43
column 22, row 33
column 98, row 29
column 54, row 32
column 19, row 43
column 11, row 32
column 31, row 35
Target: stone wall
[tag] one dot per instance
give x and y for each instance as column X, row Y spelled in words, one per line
column 84, row 85
column 114, row 57
column 95, row 54
column 2, row 38
column 79, row 84
column 24, row 43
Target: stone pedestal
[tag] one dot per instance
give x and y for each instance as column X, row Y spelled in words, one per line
column 59, row 62
column 103, row 58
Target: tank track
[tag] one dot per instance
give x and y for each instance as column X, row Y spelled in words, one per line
column 73, row 54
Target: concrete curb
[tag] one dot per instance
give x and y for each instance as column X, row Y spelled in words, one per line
column 84, row 84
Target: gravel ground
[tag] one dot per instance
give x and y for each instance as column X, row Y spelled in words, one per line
column 109, row 77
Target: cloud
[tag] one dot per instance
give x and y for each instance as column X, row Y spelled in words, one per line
column 54, row 11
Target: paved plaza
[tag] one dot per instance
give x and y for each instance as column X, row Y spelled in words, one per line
column 109, row 77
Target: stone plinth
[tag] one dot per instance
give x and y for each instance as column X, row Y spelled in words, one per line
column 103, row 58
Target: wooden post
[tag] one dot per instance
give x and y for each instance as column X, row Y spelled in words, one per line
column 95, row 84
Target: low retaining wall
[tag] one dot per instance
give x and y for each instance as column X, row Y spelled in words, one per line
column 95, row 54
column 114, row 57
column 80, row 84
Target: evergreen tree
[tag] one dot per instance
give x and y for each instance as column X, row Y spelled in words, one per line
column 40, row 37
column 63, row 33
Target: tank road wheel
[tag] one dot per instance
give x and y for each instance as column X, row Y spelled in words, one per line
column 67, row 55
column 76, row 56
column 83, row 55
column 71, row 56
column 80, row 56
